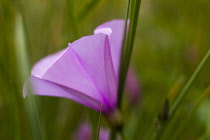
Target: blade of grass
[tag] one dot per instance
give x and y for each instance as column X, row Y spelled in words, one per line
column 10, row 103
column 149, row 133
column 151, row 130
column 185, row 120
column 189, row 83
column 133, row 8
column 182, row 95
column 113, row 133
column 24, row 68
column 176, row 88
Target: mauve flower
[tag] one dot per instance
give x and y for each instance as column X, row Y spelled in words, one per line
column 84, row 132
column 86, row 71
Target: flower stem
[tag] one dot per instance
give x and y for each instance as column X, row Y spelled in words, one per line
column 121, row 74
column 132, row 12
column 121, row 84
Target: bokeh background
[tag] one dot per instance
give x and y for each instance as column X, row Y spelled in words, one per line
column 172, row 38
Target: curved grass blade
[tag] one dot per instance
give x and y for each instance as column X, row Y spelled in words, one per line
column 195, row 107
column 189, row 83
column 113, row 133
column 182, row 95
column 132, row 11
column 24, row 69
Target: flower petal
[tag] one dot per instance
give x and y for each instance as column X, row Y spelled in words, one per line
column 47, row 88
column 110, row 75
column 115, row 38
column 95, row 56
column 44, row 64
column 68, row 71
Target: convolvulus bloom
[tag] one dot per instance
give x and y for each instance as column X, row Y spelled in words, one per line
column 86, row 71
column 82, row 72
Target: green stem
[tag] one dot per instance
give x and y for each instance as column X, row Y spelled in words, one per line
column 120, row 89
column 121, row 82
column 133, row 8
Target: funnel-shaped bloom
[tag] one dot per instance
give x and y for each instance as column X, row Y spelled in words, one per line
column 86, row 71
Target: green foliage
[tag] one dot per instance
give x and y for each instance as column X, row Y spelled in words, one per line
column 171, row 39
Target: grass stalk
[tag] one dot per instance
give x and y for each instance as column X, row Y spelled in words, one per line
column 24, row 69
column 189, row 83
column 182, row 95
column 195, row 107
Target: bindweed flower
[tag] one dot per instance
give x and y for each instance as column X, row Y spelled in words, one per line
column 133, row 87
column 84, row 132
column 86, row 71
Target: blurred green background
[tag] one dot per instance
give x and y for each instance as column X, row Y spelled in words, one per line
column 172, row 38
